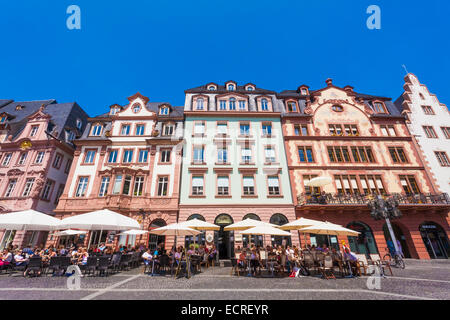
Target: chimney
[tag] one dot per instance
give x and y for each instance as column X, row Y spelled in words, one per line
column 329, row 82
column 348, row 88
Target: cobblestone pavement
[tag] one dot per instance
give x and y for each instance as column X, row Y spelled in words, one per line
column 420, row 280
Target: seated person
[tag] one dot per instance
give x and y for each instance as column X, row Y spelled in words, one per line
column 20, row 259
column 242, row 262
column 147, row 257
column 6, row 258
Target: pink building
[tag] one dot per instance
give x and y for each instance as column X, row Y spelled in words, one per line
column 36, row 152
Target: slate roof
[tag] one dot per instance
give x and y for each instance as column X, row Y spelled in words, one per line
column 222, row 89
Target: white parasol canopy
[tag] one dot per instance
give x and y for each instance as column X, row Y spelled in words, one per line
column 247, row 224
column 199, row 225
column 331, row 229
column 69, row 233
column 28, row 220
column 175, row 229
column 266, row 230
column 319, row 182
column 100, row 220
column 133, row 233
column 300, row 224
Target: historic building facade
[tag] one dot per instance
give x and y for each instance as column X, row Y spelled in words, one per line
column 234, row 163
column 128, row 160
column 363, row 144
column 36, row 151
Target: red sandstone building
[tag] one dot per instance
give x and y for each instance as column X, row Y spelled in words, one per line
column 362, row 142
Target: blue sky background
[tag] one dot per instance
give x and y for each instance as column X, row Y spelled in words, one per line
column 160, row 47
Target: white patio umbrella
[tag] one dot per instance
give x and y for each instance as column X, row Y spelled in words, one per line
column 262, row 230
column 299, row 224
column 69, row 233
column 199, row 225
column 319, row 182
column 329, row 228
column 247, row 224
column 100, row 220
column 175, row 229
column 132, row 233
column 31, row 220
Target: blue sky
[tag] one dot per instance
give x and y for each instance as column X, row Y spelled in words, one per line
column 160, row 47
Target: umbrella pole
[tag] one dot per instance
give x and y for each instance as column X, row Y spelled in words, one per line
column 90, row 239
column 99, row 237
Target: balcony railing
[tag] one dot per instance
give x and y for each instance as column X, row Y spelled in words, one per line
column 361, row 199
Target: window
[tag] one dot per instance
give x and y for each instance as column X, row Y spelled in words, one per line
column 351, row 130
column 211, row 88
column 304, row 91
column 125, row 130
column 57, row 161
column 269, row 154
column 446, row 131
column 10, row 189
column 222, row 156
column 7, row 159
column 197, row 185
column 388, row 130
column 163, row 185
column 338, row 154
column 427, row 110
column 140, row 128
column 346, row 184
column 199, row 104
column 223, row 185
column 28, row 187
column 232, row 103
column 292, row 106
column 138, row 186
column 164, row 111
column 398, row 155
column 90, row 156
column 59, row 193
column 222, row 128
column 222, row 105
column 246, row 155
column 249, row 185
column 199, row 128
column 198, row 154
column 39, row 157
column 104, row 185
column 274, row 185
column 421, row 96
column 429, row 131
column 143, row 156
column 168, row 129
column 127, row 156
column 242, row 105
column 309, row 190
column 79, row 124
column 442, row 158
column 70, row 135
column 379, row 107
column 117, row 185
column 114, row 111
column 264, row 105
column 33, row 131
column 46, row 192
column 409, row 184
column 126, row 185
column 68, row 164
column 165, row 156
column 82, row 186
column 305, row 154
column 3, row 119
column 244, row 129
column 337, row 108
column 335, row 129
column 266, row 129
column 136, row 107
column 362, row 154
column 372, row 184
column 301, row 130
column 231, row 87
column 112, row 158
column 22, row 158
column 96, row 130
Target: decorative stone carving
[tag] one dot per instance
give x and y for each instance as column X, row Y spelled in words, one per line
column 309, row 110
column 15, row 172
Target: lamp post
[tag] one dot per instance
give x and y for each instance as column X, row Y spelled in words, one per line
column 386, row 209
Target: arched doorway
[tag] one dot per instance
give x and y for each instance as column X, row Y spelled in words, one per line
column 364, row 243
column 435, row 240
column 399, row 236
column 153, row 239
column 280, row 219
column 200, row 238
column 257, row 240
column 224, row 240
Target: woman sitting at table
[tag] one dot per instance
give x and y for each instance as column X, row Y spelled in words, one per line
column 82, row 259
column 5, row 258
column 212, row 255
column 255, row 260
column 242, row 262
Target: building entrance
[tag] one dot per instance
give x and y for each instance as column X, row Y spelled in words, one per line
column 435, row 240
column 224, row 240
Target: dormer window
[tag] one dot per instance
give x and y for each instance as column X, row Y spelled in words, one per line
column 164, row 111
column 114, row 111
column 304, row 91
column 79, row 124
column 211, row 88
column 33, row 131
column 199, row 103
column 96, row 130
column 232, row 104
column 292, row 106
column 136, row 108
column 231, row 87
column 70, row 135
column 19, row 107
column 250, row 88
column 264, row 105
column 3, row 119
column 379, row 107
column 168, row 129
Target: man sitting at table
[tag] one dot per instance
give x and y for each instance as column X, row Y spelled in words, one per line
column 147, row 257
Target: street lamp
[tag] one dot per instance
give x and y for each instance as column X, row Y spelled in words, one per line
column 386, row 209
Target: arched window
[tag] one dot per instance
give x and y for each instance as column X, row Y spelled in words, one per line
column 250, row 88
column 196, row 216
column 154, row 240
column 211, row 88
column 232, row 104
column 280, row 219
column 251, row 216
column 231, row 87
column 264, row 105
column 136, row 107
column 257, row 240
column 200, row 238
column 337, row 108
column 200, row 104
column 364, row 243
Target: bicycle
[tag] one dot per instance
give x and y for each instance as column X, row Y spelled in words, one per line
column 397, row 261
